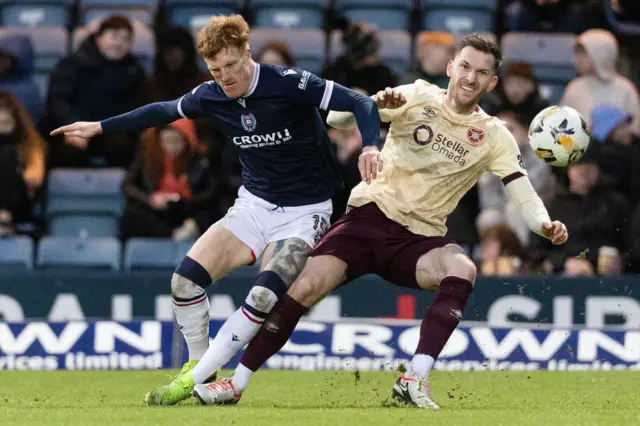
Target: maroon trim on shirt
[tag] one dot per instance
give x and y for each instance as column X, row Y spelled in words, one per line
column 513, row 176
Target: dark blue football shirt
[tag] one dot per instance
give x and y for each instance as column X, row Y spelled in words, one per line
column 281, row 139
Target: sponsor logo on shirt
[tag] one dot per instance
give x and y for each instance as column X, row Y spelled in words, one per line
column 260, row 141
column 303, row 80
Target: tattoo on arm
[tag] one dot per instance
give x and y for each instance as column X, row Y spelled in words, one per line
column 288, row 259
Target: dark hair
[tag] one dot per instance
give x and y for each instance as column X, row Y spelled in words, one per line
column 281, row 49
column 115, row 22
column 483, row 45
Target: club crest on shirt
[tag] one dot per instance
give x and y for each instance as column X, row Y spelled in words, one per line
column 248, row 122
column 475, row 135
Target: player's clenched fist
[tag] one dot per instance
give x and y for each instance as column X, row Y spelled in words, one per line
column 369, row 163
column 390, row 98
column 556, row 232
column 79, row 133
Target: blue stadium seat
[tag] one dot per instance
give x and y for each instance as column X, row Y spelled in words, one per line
column 144, row 43
column 73, row 225
column 17, row 252
column 395, row 49
column 92, row 253
column 306, row 45
column 35, row 13
column 72, row 191
column 49, row 45
column 381, row 14
column 195, row 14
column 289, row 13
column 152, row 253
column 550, row 54
column 456, row 16
column 138, row 10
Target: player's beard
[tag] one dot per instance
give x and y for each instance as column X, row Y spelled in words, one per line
column 463, row 98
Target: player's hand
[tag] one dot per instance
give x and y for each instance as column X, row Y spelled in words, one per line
column 79, row 133
column 555, row 231
column 390, row 99
column 370, row 163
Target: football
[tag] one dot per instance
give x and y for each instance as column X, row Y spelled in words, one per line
column 559, row 135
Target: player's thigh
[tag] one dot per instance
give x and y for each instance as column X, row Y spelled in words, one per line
column 293, row 233
column 319, row 277
column 403, row 267
column 447, row 261
column 219, row 251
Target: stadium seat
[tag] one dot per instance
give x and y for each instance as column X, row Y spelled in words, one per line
column 49, row 45
column 395, row 49
column 67, row 252
column 551, row 56
column 73, row 225
column 307, row 45
column 35, row 13
column 289, row 13
column 194, row 14
column 152, row 253
column 381, row 14
column 144, row 43
column 456, row 16
column 16, row 252
column 138, row 10
column 72, row 191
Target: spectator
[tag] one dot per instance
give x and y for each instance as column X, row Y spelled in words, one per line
column 170, row 189
column 360, row 66
column 501, row 253
column 347, row 146
column 620, row 156
column 549, row 15
column 496, row 206
column 176, row 66
column 22, row 163
column 595, row 215
column 517, row 91
column 435, row 50
column 596, row 53
column 276, row 53
column 16, row 73
column 101, row 79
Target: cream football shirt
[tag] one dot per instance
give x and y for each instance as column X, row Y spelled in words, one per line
column 432, row 157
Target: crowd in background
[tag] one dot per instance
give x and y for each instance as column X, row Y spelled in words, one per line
column 184, row 176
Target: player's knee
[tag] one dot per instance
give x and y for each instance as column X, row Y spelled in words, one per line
column 190, row 279
column 462, row 266
column 261, row 299
column 307, row 290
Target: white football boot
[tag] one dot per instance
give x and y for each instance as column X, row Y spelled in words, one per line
column 413, row 390
column 221, row 392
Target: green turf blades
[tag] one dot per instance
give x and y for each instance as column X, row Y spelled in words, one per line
column 178, row 390
column 288, row 398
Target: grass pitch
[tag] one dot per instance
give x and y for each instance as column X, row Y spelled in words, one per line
column 326, row 398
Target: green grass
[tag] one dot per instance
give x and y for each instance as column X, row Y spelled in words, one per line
column 326, row 398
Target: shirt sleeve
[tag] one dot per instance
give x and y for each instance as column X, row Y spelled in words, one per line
column 189, row 104
column 307, row 88
column 507, row 162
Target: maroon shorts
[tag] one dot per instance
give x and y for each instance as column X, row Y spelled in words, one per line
column 371, row 243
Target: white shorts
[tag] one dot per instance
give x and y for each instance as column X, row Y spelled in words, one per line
column 257, row 222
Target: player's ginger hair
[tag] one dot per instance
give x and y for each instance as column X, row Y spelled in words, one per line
column 222, row 32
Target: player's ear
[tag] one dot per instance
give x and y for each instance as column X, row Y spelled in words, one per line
column 449, row 68
column 493, row 83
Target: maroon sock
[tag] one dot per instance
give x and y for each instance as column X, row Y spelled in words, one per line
column 443, row 315
column 274, row 333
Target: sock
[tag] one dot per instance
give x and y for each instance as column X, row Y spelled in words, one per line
column 439, row 321
column 241, row 377
column 242, row 325
column 271, row 337
column 191, row 305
